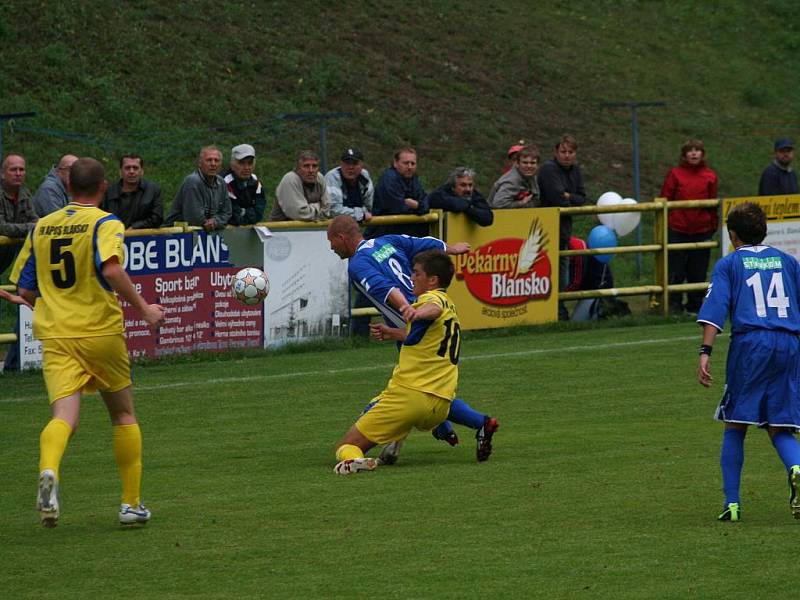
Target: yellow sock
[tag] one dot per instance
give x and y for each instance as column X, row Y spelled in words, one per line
column 52, row 444
column 347, row 451
column 128, row 451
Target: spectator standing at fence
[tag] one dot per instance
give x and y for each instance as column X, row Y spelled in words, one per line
column 202, row 199
column 244, row 189
column 518, row 187
column 459, row 195
column 17, row 216
column 53, row 192
column 400, row 192
column 302, row 194
column 134, row 200
column 692, row 179
column 350, row 187
column 779, row 178
column 561, row 185
column 759, row 288
column 69, row 270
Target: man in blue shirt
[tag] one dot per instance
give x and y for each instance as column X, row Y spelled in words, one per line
column 381, row 269
column 759, row 287
column 779, row 178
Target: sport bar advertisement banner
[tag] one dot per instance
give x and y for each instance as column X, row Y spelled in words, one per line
column 189, row 274
column 783, row 221
column 510, row 275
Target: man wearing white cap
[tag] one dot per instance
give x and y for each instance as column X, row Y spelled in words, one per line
column 244, row 188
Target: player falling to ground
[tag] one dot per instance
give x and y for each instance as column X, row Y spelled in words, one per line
column 69, row 268
column 759, row 287
column 424, row 381
column 380, row 268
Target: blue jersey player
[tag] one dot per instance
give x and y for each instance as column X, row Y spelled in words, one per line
column 381, row 269
column 759, row 288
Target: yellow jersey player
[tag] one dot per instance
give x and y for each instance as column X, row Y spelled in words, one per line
column 424, row 381
column 69, row 268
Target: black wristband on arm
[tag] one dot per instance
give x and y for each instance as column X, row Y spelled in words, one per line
column 705, row 349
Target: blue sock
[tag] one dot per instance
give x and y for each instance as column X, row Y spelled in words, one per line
column 463, row 414
column 444, row 429
column 731, row 460
column 788, row 448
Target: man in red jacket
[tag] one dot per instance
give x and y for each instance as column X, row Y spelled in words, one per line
column 690, row 180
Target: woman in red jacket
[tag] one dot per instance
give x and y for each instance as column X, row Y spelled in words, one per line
column 690, row 180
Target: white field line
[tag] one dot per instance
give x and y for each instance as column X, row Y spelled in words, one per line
column 385, row 366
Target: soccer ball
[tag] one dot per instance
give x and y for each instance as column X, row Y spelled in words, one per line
column 250, row 285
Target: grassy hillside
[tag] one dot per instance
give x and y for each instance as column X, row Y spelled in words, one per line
column 457, row 80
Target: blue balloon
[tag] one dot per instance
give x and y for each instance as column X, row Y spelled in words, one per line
column 602, row 237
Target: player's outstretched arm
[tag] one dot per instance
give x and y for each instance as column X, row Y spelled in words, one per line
column 25, row 298
column 118, row 279
column 458, row 248
column 382, row 332
column 704, row 362
column 427, row 312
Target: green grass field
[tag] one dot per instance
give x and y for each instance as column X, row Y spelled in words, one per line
column 604, row 482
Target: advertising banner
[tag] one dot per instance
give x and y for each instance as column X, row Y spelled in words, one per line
column 308, row 287
column 510, row 276
column 190, row 275
column 783, row 222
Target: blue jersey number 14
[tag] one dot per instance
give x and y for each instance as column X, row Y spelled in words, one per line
column 775, row 298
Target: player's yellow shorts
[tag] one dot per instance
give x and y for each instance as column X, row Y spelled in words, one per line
column 85, row 364
column 398, row 410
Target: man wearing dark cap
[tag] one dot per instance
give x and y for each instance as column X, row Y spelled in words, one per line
column 779, row 178
column 244, row 189
column 350, row 187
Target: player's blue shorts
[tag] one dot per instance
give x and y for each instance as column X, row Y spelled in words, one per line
column 761, row 385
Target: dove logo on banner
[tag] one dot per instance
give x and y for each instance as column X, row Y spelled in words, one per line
column 508, row 271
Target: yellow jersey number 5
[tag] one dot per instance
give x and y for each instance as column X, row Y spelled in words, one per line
column 62, row 262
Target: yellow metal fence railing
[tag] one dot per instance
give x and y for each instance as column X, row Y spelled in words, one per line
column 660, row 289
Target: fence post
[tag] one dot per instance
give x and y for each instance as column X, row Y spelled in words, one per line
column 662, row 257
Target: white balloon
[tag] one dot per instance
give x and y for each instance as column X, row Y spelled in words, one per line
column 626, row 222
column 609, row 198
column 608, row 219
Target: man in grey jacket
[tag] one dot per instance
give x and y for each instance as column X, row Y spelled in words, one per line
column 302, row 194
column 202, row 199
column 518, row 187
column 53, row 193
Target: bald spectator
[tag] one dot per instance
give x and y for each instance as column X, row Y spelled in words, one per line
column 202, row 199
column 302, row 194
column 133, row 199
column 244, row 188
column 350, row 187
column 17, row 216
column 53, row 193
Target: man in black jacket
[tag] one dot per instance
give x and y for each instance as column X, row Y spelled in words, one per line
column 561, row 184
column 134, row 200
column 459, row 195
